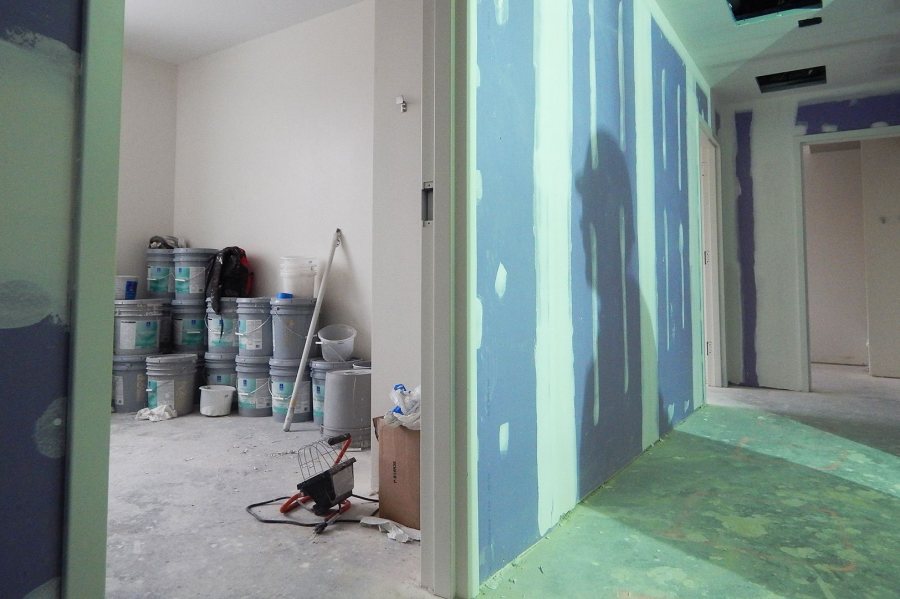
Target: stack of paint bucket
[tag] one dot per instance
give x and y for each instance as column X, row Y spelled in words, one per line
column 136, row 336
column 291, row 318
column 189, row 306
column 160, row 286
column 254, row 335
column 221, row 343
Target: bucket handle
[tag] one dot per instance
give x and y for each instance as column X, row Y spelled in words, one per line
column 221, row 331
column 239, row 334
column 293, row 332
column 267, row 383
column 196, row 276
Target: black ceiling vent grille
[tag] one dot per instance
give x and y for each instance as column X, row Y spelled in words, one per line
column 750, row 9
column 777, row 82
column 809, row 22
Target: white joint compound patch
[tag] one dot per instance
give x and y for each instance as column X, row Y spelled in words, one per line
column 500, row 281
column 501, row 11
column 503, row 438
column 50, row 430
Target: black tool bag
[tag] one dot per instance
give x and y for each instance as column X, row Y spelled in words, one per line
column 228, row 274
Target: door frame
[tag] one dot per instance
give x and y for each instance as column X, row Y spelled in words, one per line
column 714, row 360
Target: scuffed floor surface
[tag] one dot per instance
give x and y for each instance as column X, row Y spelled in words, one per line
column 177, row 525
column 736, row 503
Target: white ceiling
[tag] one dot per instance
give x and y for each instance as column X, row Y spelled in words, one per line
column 858, row 42
column 177, row 31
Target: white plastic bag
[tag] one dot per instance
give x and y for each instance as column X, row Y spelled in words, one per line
column 407, row 408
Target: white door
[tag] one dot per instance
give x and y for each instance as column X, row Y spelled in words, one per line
column 712, row 323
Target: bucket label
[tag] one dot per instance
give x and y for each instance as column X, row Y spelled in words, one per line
column 221, row 332
column 282, row 390
column 118, row 390
column 141, row 334
column 160, row 393
column 188, row 331
column 190, row 279
column 159, row 279
column 250, row 334
column 221, row 379
column 254, row 393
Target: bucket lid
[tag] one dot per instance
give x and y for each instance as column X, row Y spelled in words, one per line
column 162, row 302
column 253, row 301
column 214, row 356
column 224, row 300
column 322, row 364
column 129, row 359
column 293, row 302
column 172, row 359
column 251, row 360
column 159, row 252
column 191, row 303
column 352, row 372
column 188, row 251
column 136, row 303
column 287, row 364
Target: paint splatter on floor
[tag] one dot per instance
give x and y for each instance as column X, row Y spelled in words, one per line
column 733, row 503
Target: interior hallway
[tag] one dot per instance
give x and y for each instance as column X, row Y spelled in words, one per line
column 760, row 494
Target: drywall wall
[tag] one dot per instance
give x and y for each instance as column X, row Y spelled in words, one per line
column 881, row 192
column 585, row 308
column 39, row 99
column 765, row 294
column 274, row 152
column 146, row 160
column 835, row 254
column 396, row 212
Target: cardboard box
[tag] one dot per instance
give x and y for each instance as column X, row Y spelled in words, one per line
column 398, row 473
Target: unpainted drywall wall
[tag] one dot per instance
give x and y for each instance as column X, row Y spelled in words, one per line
column 146, row 160
column 881, row 200
column 584, row 313
column 40, row 54
column 274, row 152
column 835, row 256
column 762, row 218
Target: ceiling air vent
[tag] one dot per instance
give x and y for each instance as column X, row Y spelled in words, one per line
column 777, row 82
column 809, row 22
column 750, row 9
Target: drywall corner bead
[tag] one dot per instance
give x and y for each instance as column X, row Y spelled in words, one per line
column 850, row 114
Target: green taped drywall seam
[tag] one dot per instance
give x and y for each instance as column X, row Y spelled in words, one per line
column 646, row 222
column 554, row 354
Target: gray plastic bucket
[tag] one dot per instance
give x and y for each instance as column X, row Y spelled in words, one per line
column 190, row 271
column 283, row 374
column 160, row 274
column 170, row 381
column 188, row 326
column 165, row 323
column 221, row 327
column 348, row 406
column 129, row 383
column 362, row 364
column 220, row 369
column 317, row 371
column 291, row 318
column 254, row 327
column 136, row 328
column 254, row 396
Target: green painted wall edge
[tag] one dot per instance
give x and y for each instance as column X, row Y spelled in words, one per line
column 93, row 271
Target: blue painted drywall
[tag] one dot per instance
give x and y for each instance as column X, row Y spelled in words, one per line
column 507, row 489
column 603, row 208
column 60, row 20
column 703, row 104
column 746, row 245
column 674, row 312
column 848, row 115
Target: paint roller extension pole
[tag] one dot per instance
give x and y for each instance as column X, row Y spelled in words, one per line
column 289, row 416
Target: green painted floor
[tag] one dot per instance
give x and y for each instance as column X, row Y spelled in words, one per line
column 735, row 503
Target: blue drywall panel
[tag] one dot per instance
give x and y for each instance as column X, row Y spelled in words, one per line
column 674, row 312
column 849, row 115
column 507, row 481
column 605, row 290
column 55, row 19
column 746, row 226
column 703, row 104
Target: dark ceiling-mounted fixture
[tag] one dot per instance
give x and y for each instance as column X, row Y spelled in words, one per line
column 809, row 22
column 750, row 9
column 776, row 82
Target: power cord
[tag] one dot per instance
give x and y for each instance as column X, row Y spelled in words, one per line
column 317, row 525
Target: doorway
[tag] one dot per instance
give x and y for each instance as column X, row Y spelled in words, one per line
column 713, row 341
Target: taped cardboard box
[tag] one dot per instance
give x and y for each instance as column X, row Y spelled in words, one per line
column 398, row 473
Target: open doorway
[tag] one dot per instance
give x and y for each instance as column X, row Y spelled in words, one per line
column 713, row 332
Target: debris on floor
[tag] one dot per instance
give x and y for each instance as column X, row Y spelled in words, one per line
column 163, row 412
column 394, row 531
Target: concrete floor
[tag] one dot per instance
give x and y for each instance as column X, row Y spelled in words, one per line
column 177, row 525
column 739, row 502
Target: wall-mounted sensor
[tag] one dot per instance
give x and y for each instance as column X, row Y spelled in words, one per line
column 401, row 102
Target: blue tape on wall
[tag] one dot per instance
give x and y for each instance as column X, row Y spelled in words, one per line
column 604, row 250
column 849, row 115
column 507, row 483
column 675, row 342
column 746, row 244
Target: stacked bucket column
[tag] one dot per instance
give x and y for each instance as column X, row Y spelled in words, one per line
column 189, row 307
column 254, row 350
column 221, row 343
column 291, row 318
column 136, row 336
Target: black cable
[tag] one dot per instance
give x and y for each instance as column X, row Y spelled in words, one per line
column 249, row 510
column 369, row 499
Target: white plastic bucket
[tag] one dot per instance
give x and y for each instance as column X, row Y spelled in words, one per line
column 188, row 325
column 190, row 271
column 254, row 396
column 337, row 342
column 299, row 276
column 283, row 374
column 126, row 287
column 318, row 369
column 129, row 383
column 136, row 328
column 170, row 381
column 254, row 327
column 215, row 400
column 160, row 273
column 291, row 318
column 221, row 328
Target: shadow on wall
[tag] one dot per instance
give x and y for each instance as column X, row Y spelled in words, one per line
column 611, row 410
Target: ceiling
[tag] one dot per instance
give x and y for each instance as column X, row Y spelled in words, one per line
column 177, row 31
column 858, row 41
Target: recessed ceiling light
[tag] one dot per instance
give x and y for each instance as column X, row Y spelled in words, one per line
column 776, row 82
column 750, row 9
